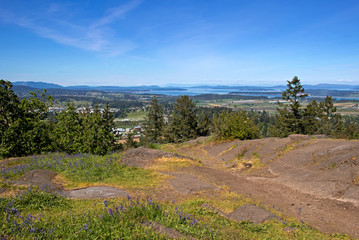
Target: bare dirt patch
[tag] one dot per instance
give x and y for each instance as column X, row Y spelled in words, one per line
column 40, row 177
column 145, row 157
column 187, row 184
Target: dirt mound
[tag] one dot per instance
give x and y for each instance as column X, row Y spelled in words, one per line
column 40, row 177
column 145, row 157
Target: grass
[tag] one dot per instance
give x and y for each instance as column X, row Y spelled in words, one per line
column 227, row 150
column 85, row 169
column 138, row 115
column 39, row 214
column 49, row 216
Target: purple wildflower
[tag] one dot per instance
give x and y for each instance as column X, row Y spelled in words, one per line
column 110, row 211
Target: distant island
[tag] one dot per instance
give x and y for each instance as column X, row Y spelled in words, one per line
column 314, row 91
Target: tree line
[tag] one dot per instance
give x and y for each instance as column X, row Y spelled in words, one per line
column 188, row 122
column 26, row 129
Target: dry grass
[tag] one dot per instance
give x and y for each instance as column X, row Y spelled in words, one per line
column 170, row 164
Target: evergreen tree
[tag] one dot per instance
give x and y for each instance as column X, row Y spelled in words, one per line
column 108, row 125
column 331, row 122
column 289, row 117
column 183, row 126
column 68, row 131
column 312, row 115
column 154, row 123
column 130, row 142
column 204, row 125
column 89, row 131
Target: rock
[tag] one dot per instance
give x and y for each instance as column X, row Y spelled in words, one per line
column 186, row 184
column 252, row 213
column 96, row 192
column 299, row 137
column 230, row 165
column 40, row 177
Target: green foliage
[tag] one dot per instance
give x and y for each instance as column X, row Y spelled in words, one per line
column 35, row 199
column 87, row 132
column 289, row 117
column 312, row 116
column 234, row 125
column 204, row 125
column 84, row 168
column 154, row 124
column 262, row 120
column 130, row 219
column 23, row 129
column 331, row 122
column 130, row 141
column 183, row 126
column 315, row 118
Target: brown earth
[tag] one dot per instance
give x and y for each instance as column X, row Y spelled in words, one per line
column 313, row 179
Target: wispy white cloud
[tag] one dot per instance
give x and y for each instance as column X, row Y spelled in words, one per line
column 95, row 36
column 115, row 13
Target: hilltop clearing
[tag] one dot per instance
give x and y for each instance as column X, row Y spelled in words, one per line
column 272, row 188
column 313, row 179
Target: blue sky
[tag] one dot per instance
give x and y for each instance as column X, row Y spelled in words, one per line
column 145, row 42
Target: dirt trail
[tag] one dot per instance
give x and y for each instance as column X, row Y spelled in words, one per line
column 314, row 180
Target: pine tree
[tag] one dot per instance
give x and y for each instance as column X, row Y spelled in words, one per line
column 331, row 122
column 183, row 126
column 204, row 125
column 289, row 117
column 311, row 120
column 154, row 123
column 68, row 131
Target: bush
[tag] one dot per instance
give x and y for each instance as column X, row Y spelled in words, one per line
column 234, row 125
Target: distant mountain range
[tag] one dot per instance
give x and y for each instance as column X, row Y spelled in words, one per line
column 44, row 85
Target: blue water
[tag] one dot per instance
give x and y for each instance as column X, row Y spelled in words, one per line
column 194, row 91
column 197, row 91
